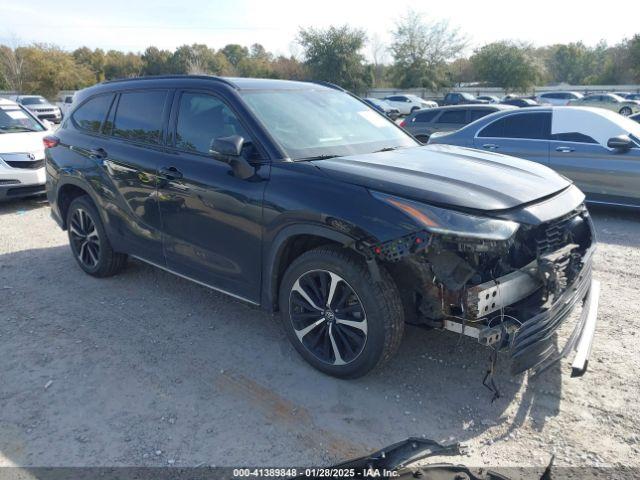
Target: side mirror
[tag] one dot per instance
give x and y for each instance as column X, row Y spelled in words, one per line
column 229, row 150
column 621, row 143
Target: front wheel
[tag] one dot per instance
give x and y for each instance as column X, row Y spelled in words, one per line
column 625, row 111
column 336, row 316
column 88, row 240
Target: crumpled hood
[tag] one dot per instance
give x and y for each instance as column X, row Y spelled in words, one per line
column 449, row 175
column 23, row 142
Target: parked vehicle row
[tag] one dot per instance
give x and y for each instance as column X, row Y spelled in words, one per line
column 598, row 149
column 407, row 104
column 383, row 107
column 423, row 123
column 609, row 101
column 301, row 199
column 22, row 170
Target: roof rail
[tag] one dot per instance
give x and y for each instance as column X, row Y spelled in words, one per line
column 174, row 76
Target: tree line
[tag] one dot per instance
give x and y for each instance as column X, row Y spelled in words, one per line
column 422, row 54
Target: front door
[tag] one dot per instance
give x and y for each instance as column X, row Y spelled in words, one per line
column 603, row 174
column 211, row 219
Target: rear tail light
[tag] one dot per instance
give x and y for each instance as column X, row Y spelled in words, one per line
column 50, row 141
column 403, row 123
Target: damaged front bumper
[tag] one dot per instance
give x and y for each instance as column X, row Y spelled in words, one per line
column 532, row 343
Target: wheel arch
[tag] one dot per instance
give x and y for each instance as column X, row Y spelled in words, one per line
column 288, row 244
column 68, row 191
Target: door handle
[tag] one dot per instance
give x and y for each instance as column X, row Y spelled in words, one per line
column 564, row 149
column 170, row 173
column 99, row 153
column 490, row 146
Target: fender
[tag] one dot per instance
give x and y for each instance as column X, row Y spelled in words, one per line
column 77, row 181
column 273, row 253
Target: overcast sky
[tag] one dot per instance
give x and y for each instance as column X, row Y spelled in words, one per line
column 134, row 25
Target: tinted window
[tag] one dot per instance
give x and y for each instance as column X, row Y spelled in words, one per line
column 201, row 119
column 479, row 113
column 90, row 115
column 139, row 116
column 425, row 117
column 396, row 99
column 573, row 137
column 526, row 125
column 453, row 116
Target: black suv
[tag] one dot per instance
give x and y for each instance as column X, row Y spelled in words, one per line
column 300, row 198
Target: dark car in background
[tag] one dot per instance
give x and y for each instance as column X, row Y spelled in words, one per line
column 598, row 149
column 299, row 198
column 423, row 123
column 382, row 107
column 461, row 98
column 520, row 102
column 635, row 117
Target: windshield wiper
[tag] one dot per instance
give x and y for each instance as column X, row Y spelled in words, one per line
column 386, row 149
column 317, row 157
column 20, row 128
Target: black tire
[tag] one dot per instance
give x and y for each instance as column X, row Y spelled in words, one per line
column 422, row 138
column 625, row 111
column 380, row 305
column 88, row 240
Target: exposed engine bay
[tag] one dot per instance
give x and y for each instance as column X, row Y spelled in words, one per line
column 509, row 294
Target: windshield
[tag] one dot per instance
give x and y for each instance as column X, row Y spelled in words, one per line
column 14, row 119
column 468, row 96
column 33, row 101
column 313, row 123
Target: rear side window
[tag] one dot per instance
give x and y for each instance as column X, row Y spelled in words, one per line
column 90, row 115
column 454, row 116
column 425, row 117
column 139, row 116
column 536, row 126
column 203, row 118
column 479, row 113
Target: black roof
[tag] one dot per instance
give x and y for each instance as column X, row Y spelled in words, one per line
column 239, row 83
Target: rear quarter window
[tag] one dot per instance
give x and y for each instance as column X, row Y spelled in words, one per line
column 425, row 117
column 454, row 116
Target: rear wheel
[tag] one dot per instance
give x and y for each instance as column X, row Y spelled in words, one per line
column 336, row 316
column 89, row 242
column 625, row 111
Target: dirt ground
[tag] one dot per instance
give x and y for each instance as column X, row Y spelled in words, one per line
column 148, row 369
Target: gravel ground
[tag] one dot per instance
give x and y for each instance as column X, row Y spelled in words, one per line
column 148, row 369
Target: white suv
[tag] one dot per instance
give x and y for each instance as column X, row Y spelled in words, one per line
column 407, row 104
column 558, row 98
column 21, row 152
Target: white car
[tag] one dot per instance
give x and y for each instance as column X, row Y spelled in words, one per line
column 65, row 104
column 21, row 152
column 407, row 104
column 558, row 98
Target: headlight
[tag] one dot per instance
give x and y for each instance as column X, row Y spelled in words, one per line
column 449, row 222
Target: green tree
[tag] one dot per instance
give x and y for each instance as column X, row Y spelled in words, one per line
column 156, row 61
column 507, row 65
column 199, row 59
column 421, row 49
column 235, row 53
column 92, row 59
column 333, row 55
column 121, row 65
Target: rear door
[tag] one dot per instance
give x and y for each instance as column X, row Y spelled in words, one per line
column 422, row 122
column 522, row 134
column 131, row 159
column 603, row 174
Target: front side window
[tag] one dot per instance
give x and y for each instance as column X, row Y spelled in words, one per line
column 575, row 137
column 479, row 113
column 425, row 117
column 308, row 123
column 90, row 115
column 534, row 126
column 14, row 119
column 203, row 118
column 453, row 116
column 139, row 116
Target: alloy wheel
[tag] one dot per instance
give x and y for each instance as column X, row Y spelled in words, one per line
column 626, row 111
column 84, row 236
column 328, row 317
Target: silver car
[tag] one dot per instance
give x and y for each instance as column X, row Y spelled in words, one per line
column 598, row 149
column 41, row 107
